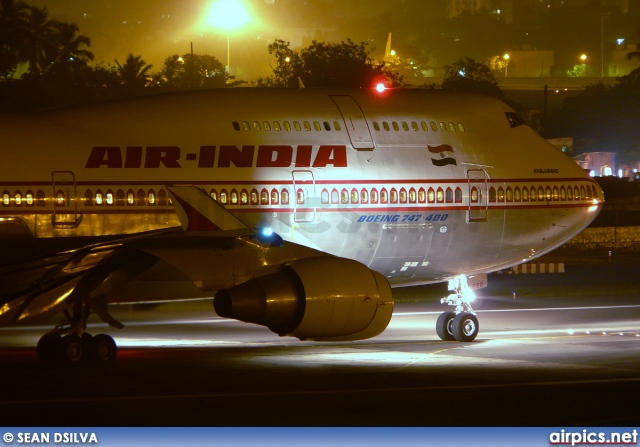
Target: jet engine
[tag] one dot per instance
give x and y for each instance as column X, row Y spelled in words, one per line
column 320, row 298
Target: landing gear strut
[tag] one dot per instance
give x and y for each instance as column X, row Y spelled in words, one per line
column 68, row 343
column 461, row 325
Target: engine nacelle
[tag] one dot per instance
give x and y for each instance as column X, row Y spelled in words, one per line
column 322, row 298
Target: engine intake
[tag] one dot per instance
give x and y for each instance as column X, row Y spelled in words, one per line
column 321, row 298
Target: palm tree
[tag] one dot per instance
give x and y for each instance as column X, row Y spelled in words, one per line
column 39, row 39
column 134, row 73
column 13, row 19
column 69, row 42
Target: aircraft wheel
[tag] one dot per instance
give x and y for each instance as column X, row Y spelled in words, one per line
column 103, row 350
column 72, row 349
column 48, row 348
column 444, row 326
column 465, row 327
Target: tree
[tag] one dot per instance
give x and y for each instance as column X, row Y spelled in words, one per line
column 321, row 64
column 471, row 76
column 606, row 115
column 134, row 72
column 69, row 51
column 13, row 19
column 191, row 71
column 39, row 44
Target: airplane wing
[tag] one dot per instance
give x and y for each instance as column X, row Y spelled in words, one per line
column 289, row 288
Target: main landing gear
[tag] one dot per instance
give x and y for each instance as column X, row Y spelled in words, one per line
column 461, row 325
column 68, row 343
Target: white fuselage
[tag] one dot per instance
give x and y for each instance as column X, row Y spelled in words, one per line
column 419, row 185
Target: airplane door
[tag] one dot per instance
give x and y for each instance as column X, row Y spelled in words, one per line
column 478, row 179
column 304, row 190
column 65, row 203
column 355, row 122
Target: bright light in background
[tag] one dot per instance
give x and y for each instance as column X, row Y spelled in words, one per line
column 227, row 15
column 380, row 87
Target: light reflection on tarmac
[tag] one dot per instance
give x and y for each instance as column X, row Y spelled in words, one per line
column 564, row 351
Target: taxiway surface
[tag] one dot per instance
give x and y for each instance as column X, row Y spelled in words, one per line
column 553, row 350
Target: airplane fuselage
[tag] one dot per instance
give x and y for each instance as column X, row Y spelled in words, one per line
column 419, row 185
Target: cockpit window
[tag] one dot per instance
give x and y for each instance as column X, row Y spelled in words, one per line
column 514, row 119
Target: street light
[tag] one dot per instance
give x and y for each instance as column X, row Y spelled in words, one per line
column 228, row 15
column 506, row 64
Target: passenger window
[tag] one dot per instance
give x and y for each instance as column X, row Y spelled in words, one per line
column 405, row 126
column 266, row 125
column 376, row 126
column 287, row 126
column 327, row 126
column 246, row 125
column 336, row 125
column 324, row 197
column 256, row 125
column 307, row 126
column 461, row 127
column 383, row 196
column 236, row 125
column 443, row 126
column 434, row 126
column 395, row 126
column 386, row 126
column 276, row 126
column 316, row 126
column 425, row 126
column 414, row 126
column 296, row 126
column 452, row 127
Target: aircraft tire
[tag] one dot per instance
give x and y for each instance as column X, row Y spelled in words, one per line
column 48, row 348
column 444, row 326
column 103, row 350
column 72, row 349
column 465, row 327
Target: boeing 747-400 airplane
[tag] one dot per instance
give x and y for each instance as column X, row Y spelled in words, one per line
column 300, row 208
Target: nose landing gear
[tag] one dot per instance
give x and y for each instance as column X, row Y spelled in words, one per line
column 461, row 325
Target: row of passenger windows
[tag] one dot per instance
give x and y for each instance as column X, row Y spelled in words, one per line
column 540, row 193
column 334, row 196
column 140, row 198
column 315, row 125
